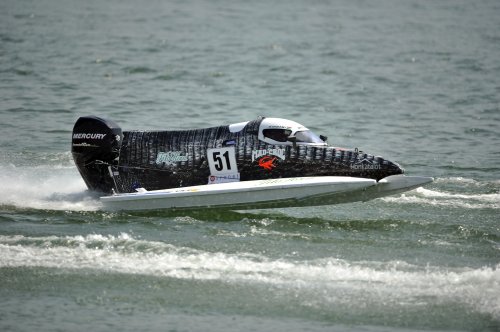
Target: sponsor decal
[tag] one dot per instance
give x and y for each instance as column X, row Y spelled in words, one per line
column 365, row 164
column 213, row 179
column 85, row 145
column 282, row 180
column 280, row 126
column 280, row 153
column 267, row 162
column 173, row 191
column 170, row 158
column 187, row 190
column 88, row 136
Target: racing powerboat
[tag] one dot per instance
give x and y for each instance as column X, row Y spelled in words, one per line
column 263, row 163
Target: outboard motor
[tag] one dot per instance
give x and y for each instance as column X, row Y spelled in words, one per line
column 95, row 146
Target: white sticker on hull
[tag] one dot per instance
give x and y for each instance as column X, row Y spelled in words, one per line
column 222, row 161
column 213, row 179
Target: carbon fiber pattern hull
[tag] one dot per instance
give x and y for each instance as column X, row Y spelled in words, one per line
column 169, row 159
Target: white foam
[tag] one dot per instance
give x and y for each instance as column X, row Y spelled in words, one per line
column 439, row 198
column 467, row 182
column 320, row 281
column 457, row 179
column 50, row 187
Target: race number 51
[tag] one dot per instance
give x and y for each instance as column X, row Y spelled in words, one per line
column 222, row 161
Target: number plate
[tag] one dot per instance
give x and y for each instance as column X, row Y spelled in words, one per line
column 222, row 161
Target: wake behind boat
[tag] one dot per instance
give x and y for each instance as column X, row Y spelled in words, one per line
column 265, row 163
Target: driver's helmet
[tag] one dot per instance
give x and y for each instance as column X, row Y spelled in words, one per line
column 280, row 131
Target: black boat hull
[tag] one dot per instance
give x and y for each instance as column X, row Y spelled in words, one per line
column 169, row 159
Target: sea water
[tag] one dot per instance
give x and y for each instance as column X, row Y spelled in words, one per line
column 417, row 82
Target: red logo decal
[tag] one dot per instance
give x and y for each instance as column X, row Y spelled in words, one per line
column 267, row 162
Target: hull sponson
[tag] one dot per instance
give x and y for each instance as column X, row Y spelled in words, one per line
column 169, row 159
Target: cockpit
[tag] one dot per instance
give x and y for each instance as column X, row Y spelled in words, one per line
column 285, row 135
column 283, row 132
column 286, row 132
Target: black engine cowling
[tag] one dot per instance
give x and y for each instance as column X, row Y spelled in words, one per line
column 95, row 146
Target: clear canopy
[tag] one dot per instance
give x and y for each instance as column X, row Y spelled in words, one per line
column 283, row 135
column 308, row 136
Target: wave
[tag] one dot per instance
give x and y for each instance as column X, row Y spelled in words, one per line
column 472, row 194
column 323, row 281
column 489, row 198
column 467, row 182
column 436, row 198
column 139, row 70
